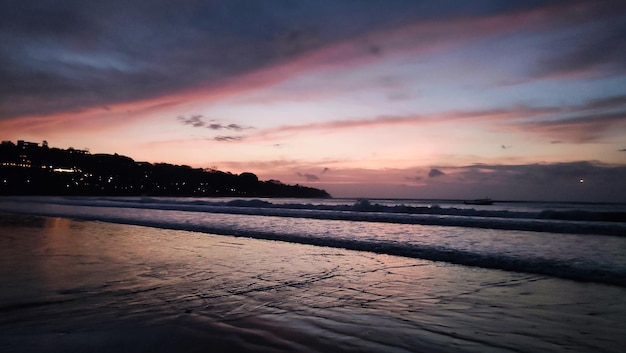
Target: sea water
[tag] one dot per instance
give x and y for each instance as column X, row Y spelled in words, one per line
column 581, row 241
column 338, row 275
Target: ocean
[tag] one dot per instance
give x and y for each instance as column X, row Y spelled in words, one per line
column 310, row 275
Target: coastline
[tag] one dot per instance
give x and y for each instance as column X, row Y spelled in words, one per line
column 86, row 285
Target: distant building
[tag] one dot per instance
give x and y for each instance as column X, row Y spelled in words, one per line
column 23, row 145
column 75, row 151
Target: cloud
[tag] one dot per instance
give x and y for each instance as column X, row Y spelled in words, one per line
column 533, row 181
column 194, row 120
column 386, row 120
column 262, row 166
column 537, row 181
column 228, row 138
column 622, row 150
column 325, row 170
column 64, row 55
column 235, row 127
column 309, row 177
column 345, row 124
column 435, row 173
column 538, row 173
column 198, row 121
column 99, row 55
column 415, row 178
column 578, row 128
column 595, row 47
column 580, row 123
column 606, row 102
column 429, row 35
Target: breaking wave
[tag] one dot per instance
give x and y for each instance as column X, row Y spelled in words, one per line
column 572, row 221
column 551, row 252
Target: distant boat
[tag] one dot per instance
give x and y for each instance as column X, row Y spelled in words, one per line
column 485, row 201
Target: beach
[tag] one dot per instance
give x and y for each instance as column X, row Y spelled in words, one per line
column 72, row 285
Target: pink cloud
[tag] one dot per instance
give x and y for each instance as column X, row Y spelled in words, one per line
column 577, row 123
column 444, row 117
column 96, row 119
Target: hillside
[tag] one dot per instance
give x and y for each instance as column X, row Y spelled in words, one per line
column 27, row 168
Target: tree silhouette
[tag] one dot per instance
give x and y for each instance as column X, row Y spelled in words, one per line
column 34, row 170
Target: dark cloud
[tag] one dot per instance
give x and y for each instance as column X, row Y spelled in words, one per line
column 118, row 51
column 228, row 138
column 594, row 46
column 604, row 103
column 194, row 120
column 309, row 177
column 416, row 178
column 544, row 173
column 198, row 121
column 622, row 150
column 235, row 127
column 325, row 170
column 579, row 128
column 587, row 122
column 68, row 55
column 435, row 173
column 539, row 181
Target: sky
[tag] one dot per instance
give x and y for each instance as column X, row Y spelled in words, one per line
column 513, row 100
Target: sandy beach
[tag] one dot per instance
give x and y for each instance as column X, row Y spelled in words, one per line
column 98, row 287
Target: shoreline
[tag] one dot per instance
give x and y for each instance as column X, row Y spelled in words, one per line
column 88, row 285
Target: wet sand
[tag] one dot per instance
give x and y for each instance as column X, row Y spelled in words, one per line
column 100, row 287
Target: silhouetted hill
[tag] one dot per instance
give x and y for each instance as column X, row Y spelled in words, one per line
column 29, row 169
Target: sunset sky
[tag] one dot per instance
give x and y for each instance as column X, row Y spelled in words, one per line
column 520, row 100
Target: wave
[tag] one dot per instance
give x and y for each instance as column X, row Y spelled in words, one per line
column 577, row 270
column 573, row 221
column 582, row 269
